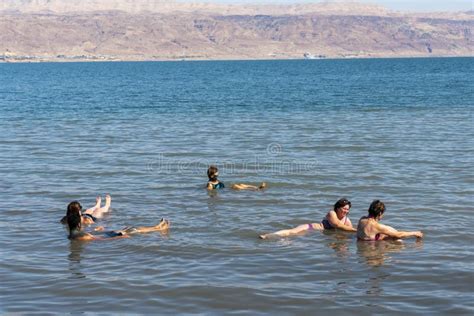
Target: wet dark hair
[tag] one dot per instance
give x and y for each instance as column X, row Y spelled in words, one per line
column 211, row 173
column 73, row 216
column 341, row 203
column 376, row 208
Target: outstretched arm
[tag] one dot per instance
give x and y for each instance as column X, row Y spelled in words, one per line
column 392, row 232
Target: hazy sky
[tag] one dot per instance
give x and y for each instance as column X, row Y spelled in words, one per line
column 405, row 5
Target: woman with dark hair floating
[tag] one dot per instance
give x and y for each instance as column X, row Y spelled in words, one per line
column 214, row 183
column 334, row 219
column 369, row 228
column 75, row 223
column 91, row 215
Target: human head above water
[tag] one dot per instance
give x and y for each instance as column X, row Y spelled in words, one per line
column 341, row 203
column 376, row 208
column 73, row 215
column 212, row 173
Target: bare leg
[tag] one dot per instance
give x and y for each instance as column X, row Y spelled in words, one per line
column 162, row 226
column 95, row 207
column 294, row 231
column 243, row 186
column 99, row 212
column 108, row 201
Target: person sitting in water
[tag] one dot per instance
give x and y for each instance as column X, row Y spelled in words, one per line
column 369, row 228
column 214, row 183
column 91, row 215
column 74, row 218
column 335, row 219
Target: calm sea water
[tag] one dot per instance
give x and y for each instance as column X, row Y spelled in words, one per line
column 399, row 130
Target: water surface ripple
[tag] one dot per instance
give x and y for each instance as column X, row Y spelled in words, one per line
column 400, row 130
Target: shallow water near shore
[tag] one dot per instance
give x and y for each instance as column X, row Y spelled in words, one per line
column 399, row 130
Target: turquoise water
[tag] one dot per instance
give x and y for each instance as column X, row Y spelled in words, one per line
column 400, row 130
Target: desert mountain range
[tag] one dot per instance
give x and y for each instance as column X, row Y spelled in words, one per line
column 35, row 30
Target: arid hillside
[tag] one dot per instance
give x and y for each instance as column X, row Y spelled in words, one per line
column 215, row 32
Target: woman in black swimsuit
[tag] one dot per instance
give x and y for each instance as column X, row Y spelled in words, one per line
column 75, row 221
column 215, row 184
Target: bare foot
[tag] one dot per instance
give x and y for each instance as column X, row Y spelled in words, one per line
column 264, row 236
column 163, row 225
column 108, row 201
column 99, row 228
column 262, row 186
column 98, row 200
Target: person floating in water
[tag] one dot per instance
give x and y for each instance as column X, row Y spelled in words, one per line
column 369, row 228
column 337, row 218
column 214, row 183
column 75, row 223
column 91, row 215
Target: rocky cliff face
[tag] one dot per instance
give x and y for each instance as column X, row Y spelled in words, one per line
column 191, row 34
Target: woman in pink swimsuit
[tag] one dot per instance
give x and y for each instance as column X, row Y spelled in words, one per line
column 369, row 228
column 335, row 218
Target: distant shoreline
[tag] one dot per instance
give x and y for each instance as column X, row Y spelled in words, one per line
column 94, row 60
